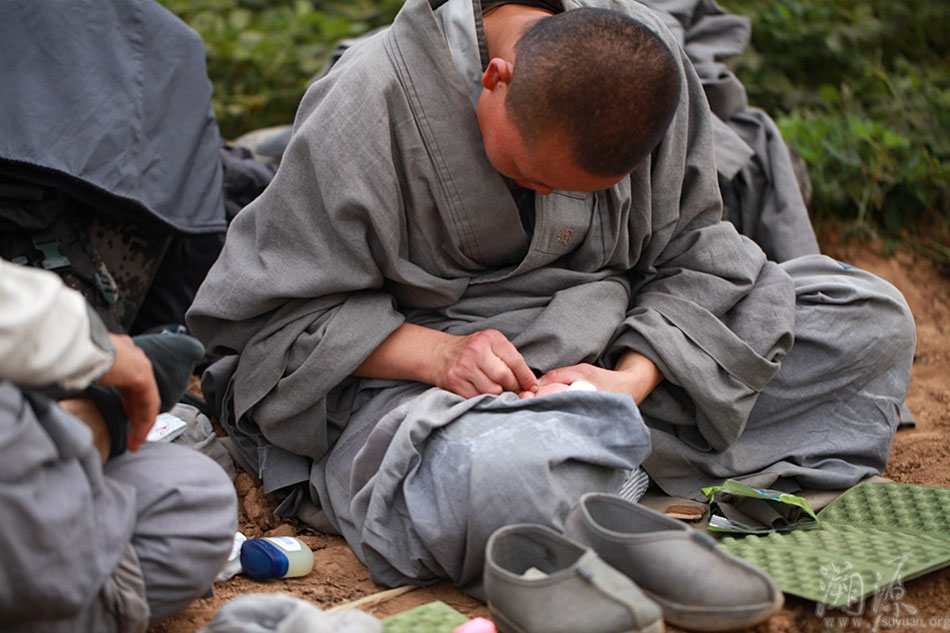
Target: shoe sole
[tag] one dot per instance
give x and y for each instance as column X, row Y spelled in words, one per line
column 707, row 620
column 507, row 626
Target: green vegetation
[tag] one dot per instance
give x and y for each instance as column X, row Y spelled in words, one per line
column 861, row 90
column 262, row 53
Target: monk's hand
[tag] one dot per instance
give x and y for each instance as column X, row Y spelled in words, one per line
column 635, row 374
column 482, row 362
column 132, row 374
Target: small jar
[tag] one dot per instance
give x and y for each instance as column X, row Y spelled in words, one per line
column 276, row 557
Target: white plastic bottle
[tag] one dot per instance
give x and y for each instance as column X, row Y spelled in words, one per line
column 276, row 557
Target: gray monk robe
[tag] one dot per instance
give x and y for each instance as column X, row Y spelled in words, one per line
column 757, row 177
column 385, row 209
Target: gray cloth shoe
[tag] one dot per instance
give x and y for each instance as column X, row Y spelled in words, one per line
column 538, row 581
column 699, row 586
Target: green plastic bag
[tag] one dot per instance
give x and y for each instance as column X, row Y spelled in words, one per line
column 740, row 509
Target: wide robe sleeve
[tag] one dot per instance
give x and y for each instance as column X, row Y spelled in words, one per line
column 707, row 307
column 298, row 290
column 65, row 525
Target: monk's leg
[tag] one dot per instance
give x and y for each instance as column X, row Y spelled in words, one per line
column 418, row 491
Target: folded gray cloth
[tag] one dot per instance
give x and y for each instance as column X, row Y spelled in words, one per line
column 200, row 436
column 281, row 613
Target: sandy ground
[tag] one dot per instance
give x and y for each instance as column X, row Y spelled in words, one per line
column 919, row 455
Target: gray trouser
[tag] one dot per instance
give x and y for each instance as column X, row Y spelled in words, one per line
column 186, row 515
column 185, row 522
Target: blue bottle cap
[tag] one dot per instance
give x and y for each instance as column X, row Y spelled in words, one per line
column 261, row 559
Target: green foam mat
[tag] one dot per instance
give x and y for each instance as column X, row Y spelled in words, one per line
column 873, row 536
column 432, row 617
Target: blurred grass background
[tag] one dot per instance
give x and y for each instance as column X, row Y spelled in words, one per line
column 861, row 90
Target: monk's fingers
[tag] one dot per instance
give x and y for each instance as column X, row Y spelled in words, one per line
column 484, row 374
column 473, row 375
column 499, row 373
column 550, row 388
column 487, row 361
column 572, row 374
column 522, row 378
column 459, row 382
column 565, row 375
column 467, row 389
column 484, row 384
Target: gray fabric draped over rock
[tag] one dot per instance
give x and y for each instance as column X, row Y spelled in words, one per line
column 760, row 186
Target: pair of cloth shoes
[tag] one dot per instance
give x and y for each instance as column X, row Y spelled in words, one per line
column 620, row 567
column 539, row 581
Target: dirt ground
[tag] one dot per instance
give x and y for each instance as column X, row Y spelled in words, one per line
column 919, row 455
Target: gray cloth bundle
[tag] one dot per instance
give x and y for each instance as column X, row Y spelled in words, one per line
column 281, row 613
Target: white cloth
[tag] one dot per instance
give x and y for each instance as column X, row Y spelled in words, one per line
column 46, row 335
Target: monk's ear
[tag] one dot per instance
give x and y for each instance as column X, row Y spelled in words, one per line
column 499, row 71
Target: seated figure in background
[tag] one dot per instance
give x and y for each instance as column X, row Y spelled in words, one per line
column 96, row 538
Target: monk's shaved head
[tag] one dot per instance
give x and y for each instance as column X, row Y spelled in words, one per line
column 603, row 80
